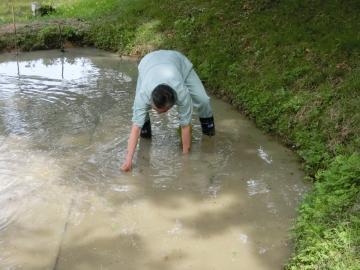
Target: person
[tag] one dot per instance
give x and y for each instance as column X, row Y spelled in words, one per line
column 167, row 78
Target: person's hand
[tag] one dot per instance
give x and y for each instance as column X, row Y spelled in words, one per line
column 126, row 166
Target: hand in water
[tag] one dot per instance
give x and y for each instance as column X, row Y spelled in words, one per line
column 186, row 151
column 126, row 166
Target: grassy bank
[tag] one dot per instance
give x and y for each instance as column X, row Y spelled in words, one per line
column 291, row 66
column 40, row 32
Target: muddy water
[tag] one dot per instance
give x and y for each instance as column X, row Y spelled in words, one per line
column 64, row 204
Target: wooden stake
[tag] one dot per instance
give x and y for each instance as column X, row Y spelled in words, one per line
column 13, row 14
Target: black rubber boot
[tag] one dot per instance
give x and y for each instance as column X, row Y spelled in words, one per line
column 146, row 130
column 208, row 126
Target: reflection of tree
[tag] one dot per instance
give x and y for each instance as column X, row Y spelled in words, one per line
column 50, row 61
column 71, row 61
column 28, row 64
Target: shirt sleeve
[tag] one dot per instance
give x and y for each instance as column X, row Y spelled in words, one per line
column 185, row 107
column 141, row 106
column 140, row 110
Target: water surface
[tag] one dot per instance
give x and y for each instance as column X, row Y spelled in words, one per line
column 64, row 204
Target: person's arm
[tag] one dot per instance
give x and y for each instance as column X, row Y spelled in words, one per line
column 186, row 138
column 133, row 139
column 140, row 108
column 185, row 107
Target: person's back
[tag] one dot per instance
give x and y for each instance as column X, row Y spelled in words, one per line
column 165, row 57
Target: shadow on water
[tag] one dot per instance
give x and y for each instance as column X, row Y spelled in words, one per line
column 228, row 204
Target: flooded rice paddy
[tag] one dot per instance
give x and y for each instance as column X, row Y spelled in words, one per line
column 64, row 204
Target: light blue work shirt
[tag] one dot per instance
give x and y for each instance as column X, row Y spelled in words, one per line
column 162, row 67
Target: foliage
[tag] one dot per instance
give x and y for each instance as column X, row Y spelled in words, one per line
column 328, row 227
column 49, row 37
column 46, row 10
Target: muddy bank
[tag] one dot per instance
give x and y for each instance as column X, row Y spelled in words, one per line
column 43, row 35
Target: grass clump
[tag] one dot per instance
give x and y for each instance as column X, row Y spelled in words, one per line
column 329, row 219
column 44, row 36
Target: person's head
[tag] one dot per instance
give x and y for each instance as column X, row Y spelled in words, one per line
column 163, row 98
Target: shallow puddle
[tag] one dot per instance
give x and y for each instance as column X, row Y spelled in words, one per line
column 65, row 120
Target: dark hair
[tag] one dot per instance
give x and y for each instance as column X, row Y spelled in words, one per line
column 163, row 96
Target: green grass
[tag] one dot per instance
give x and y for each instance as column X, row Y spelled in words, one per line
column 328, row 227
column 22, row 9
column 291, row 66
column 40, row 32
